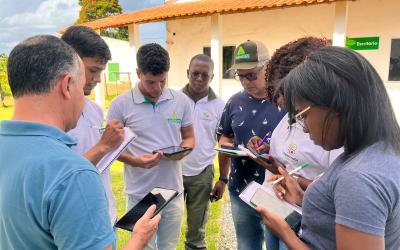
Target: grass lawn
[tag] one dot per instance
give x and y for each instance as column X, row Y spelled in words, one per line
column 6, row 112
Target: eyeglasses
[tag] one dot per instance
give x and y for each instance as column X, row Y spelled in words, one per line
column 252, row 76
column 204, row 76
column 299, row 117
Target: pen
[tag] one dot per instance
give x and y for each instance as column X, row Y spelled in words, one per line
column 304, row 165
column 266, row 137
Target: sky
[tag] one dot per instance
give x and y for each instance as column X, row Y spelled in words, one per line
column 24, row 18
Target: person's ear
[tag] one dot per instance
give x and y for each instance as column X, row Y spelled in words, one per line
column 187, row 73
column 138, row 72
column 211, row 77
column 65, row 82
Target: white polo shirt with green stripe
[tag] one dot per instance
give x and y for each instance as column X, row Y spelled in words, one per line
column 158, row 125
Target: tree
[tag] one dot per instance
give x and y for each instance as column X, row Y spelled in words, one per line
column 96, row 9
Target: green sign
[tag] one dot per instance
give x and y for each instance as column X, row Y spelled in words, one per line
column 113, row 72
column 363, row 43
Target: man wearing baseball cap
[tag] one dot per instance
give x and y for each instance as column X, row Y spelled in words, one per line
column 247, row 113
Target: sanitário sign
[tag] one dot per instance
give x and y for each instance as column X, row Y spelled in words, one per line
column 363, row 43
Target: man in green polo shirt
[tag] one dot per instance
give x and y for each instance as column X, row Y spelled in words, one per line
column 161, row 117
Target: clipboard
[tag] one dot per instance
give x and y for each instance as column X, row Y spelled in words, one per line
column 158, row 196
column 256, row 194
column 110, row 157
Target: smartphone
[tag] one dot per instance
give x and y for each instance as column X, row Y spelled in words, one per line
column 158, row 196
column 170, row 151
column 260, row 198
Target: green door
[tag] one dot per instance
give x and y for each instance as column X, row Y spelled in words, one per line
column 113, row 72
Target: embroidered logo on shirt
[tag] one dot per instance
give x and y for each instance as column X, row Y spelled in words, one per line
column 292, row 149
column 174, row 119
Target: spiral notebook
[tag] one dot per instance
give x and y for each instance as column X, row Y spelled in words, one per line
column 110, row 157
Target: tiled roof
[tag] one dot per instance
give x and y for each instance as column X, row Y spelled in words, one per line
column 196, row 8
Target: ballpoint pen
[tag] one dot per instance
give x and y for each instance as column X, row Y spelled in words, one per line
column 304, row 165
column 266, row 137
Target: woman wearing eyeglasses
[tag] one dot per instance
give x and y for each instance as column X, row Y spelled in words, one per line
column 356, row 203
column 290, row 145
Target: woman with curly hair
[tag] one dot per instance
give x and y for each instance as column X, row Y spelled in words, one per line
column 291, row 146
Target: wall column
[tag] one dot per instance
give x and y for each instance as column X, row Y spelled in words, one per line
column 134, row 44
column 99, row 90
column 340, row 25
column 216, row 52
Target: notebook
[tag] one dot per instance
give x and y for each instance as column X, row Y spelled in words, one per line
column 110, row 157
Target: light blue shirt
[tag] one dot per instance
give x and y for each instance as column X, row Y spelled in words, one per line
column 50, row 197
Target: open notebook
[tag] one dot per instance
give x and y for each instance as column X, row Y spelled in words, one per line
column 256, row 194
column 110, row 157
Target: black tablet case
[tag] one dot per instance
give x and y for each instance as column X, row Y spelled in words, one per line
column 129, row 220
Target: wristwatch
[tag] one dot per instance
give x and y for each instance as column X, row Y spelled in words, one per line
column 223, row 179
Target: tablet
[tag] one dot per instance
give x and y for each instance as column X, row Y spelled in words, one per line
column 158, row 196
column 174, row 150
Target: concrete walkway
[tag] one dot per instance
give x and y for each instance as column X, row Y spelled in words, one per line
column 228, row 236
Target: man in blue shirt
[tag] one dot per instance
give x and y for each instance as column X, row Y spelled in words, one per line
column 246, row 114
column 50, row 197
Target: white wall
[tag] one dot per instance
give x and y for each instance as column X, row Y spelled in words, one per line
column 121, row 53
column 378, row 18
column 277, row 27
column 273, row 27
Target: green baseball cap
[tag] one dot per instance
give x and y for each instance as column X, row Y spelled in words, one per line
column 249, row 55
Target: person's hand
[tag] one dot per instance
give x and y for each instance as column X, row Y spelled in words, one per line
column 113, row 135
column 218, row 191
column 148, row 160
column 269, row 164
column 288, row 188
column 274, row 222
column 255, row 141
column 145, row 227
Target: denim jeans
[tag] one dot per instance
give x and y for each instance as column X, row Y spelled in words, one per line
column 169, row 228
column 273, row 242
column 248, row 225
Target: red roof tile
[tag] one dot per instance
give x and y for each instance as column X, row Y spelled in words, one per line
column 196, row 8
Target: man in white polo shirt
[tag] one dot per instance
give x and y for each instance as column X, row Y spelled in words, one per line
column 198, row 169
column 92, row 142
column 161, row 117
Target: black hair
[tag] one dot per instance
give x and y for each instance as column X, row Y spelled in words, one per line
column 287, row 58
column 87, row 43
column 203, row 58
column 346, row 83
column 35, row 64
column 152, row 58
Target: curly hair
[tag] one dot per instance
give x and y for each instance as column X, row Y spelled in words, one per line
column 152, row 58
column 287, row 58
